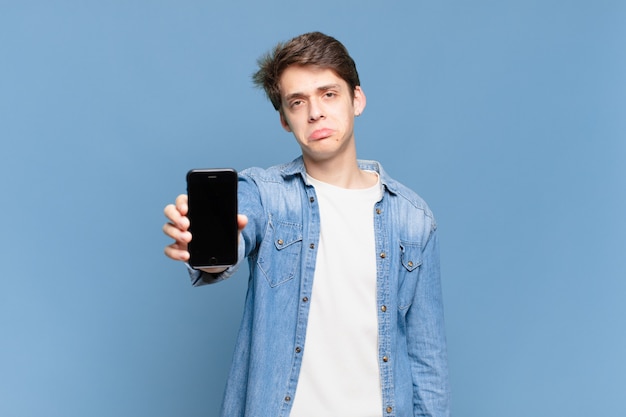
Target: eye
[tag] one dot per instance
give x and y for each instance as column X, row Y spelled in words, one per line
column 330, row 94
column 295, row 103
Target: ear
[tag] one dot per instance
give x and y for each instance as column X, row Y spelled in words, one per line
column 359, row 101
column 284, row 122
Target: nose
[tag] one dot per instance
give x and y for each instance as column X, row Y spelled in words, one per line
column 315, row 111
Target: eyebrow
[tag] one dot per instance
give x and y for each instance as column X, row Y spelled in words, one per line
column 320, row 89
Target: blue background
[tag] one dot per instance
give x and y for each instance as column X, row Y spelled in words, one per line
column 509, row 118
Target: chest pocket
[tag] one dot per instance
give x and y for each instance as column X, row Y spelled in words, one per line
column 280, row 252
column 410, row 261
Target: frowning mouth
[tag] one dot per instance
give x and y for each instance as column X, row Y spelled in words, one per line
column 321, row 134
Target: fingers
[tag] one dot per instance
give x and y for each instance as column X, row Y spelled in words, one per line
column 177, row 229
column 175, row 218
column 176, row 233
column 177, row 252
column 242, row 221
column 177, row 213
column 181, row 204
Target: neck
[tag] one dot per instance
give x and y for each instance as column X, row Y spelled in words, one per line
column 340, row 172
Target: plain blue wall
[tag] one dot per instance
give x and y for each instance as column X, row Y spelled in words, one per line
column 509, row 118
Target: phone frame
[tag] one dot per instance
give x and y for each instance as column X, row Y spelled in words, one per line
column 213, row 259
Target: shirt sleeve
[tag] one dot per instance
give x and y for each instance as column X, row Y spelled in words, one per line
column 426, row 338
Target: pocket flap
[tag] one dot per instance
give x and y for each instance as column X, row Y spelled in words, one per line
column 286, row 234
column 411, row 255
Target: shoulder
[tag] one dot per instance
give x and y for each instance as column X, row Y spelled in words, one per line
column 411, row 198
column 396, row 189
column 275, row 174
column 278, row 189
column 275, row 185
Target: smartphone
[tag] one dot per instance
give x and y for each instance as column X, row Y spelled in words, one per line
column 212, row 214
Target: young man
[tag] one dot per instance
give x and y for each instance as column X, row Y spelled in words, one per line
column 343, row 315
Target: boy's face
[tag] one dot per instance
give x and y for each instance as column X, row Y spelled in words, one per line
column 318, row 108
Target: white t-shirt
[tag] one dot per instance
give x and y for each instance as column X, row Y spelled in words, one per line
column 340, row 374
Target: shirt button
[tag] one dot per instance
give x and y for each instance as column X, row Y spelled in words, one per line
column 383, row 308
column 312, row 199
column 389, row 409
column 385, row 359
column 298, row 349
column 280, row 242
column 312, row 246
column 378, row 211
column 410, row 264
column 288, row 398
column 305, row 299
column 383, row 255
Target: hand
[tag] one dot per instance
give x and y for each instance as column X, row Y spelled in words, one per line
column 177, row 229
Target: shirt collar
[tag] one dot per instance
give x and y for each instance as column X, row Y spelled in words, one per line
column 296, row 167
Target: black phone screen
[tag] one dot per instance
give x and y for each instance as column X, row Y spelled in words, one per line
column 212, row 217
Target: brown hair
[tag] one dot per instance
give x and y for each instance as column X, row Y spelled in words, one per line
column 315, row 49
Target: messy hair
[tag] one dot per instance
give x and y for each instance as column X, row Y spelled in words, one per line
column 310, row 49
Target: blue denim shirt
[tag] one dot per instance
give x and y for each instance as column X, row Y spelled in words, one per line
column 280, row 245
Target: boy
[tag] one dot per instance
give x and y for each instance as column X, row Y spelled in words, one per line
column 343, row 315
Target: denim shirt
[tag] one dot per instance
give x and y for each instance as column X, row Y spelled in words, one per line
column 280, row 245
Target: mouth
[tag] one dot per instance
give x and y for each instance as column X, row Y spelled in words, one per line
column 321, row 134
